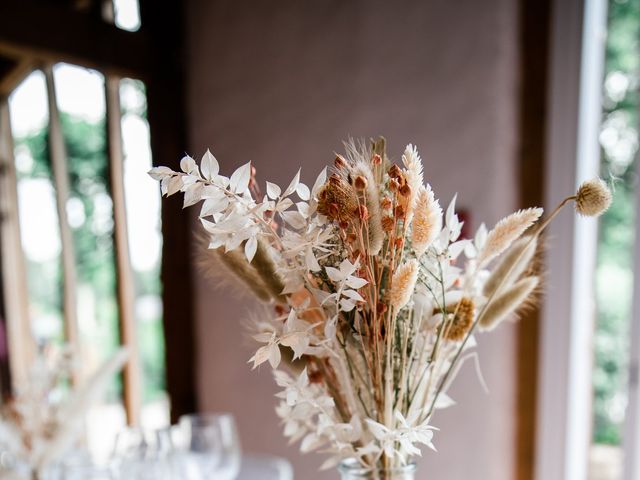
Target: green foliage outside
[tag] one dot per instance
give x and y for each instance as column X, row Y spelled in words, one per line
column 614, row 276
column 94, row 252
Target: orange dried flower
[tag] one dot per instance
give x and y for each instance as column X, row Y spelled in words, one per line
column 338, row 200
column 388, row 223
column 376, row 159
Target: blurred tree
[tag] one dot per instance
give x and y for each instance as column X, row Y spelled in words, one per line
column 619, row 141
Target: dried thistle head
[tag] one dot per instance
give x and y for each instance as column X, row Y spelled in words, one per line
column 593, row 198
column 461, row 321
column 338, row 200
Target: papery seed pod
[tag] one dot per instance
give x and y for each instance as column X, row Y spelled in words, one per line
column 388, row 223
column 395, row 172
column 360, row 183
column 340, row 163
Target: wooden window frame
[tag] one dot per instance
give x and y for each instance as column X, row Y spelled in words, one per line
column 57, row 33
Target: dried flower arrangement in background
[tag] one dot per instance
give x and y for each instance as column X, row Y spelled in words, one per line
column 45, row 417
column 376, row 298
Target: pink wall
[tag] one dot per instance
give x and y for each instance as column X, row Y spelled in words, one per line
column 281, row 84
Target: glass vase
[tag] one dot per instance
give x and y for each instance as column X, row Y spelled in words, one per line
column 353, row 470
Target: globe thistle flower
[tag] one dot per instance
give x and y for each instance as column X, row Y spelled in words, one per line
column 593, row 198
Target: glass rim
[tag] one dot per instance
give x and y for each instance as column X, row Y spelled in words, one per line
column 354, row 467
column 199, row 418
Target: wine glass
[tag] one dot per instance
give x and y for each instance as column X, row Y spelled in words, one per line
column 208, row 447
column 142, row 454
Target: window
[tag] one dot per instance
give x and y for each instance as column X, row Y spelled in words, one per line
column 614, row 270
column 81, row 231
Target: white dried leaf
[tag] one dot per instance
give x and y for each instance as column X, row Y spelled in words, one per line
column 188, row 165
column 293, row 185
column 160, row 173
column 303, row 191
column 295, row 219
column 209, row 165
column 250, row 248
column 239, row 181
column 273, row 190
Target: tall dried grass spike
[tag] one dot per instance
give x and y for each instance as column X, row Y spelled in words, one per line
column 507, row 303
column 506, row 231
column 402, row 284
column 427, row 221
column 515, row 262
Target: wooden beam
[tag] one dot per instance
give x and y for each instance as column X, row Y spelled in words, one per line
column 165, row 93
column 535, row 19
column 11, row 79
column 58, row 155
column 15, row 290
column 46, row 32
column 124, row 273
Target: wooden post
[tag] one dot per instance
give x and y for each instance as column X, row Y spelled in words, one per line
column 59, row 159
column 124, row 272
column 15, row 291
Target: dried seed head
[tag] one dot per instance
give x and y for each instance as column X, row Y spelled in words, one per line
column 386, row 203
column 360, row 183
column 461, row 320
column 388, row 223
column 340, row 162
column 593, row 198
column 405, row 190
column 338, row 200
column 395, row 172
column 394, row 186
column 376, row 160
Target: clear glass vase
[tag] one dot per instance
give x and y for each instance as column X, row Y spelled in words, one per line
column 353, row 470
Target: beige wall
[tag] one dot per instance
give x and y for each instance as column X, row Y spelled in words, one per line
column 281, row 84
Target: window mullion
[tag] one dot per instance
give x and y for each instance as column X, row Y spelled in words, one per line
column 20, row 340
column 58, row 155
column 631, row 436
column 124, row 271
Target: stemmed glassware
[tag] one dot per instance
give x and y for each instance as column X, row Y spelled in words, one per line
column 207, row 447
column 143, row 455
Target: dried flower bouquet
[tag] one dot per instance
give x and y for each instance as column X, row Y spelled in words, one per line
column 375, row 309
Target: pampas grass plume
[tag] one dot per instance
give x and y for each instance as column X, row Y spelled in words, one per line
column 427, row 221
column 403, row 283
column 506, row 232
column 413, row 173
column 503, row 305
column 515, row 262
